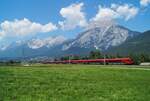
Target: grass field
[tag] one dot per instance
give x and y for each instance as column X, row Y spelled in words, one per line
column 74, row 83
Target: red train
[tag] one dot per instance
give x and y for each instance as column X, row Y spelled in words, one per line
column 127, row 61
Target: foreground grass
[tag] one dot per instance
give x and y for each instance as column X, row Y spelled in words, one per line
column 74, row 83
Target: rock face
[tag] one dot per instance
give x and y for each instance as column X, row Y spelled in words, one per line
column 48, row 42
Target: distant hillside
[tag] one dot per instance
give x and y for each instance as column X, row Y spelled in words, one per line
column 137, row 44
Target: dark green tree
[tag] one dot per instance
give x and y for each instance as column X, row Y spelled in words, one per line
column 135, row 58
column 144, row 57
column 95, row 54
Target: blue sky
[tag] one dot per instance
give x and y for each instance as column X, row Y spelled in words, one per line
column 51, row 12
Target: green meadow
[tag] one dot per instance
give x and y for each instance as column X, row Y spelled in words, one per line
column 74, row 83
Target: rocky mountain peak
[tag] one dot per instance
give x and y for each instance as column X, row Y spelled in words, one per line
column 102, row 37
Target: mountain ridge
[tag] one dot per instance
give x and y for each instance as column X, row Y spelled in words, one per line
column 103, row 39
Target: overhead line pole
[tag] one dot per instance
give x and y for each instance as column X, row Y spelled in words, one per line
column 104, row 59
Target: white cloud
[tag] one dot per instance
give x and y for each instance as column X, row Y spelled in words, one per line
column 106, row 15
column 116, row 11
column 24, row 27
column 2, row 33
column 144, row 2
column 125, row 11
column 73, row 17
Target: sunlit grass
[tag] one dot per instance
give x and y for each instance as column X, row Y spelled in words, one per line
column 74, row 83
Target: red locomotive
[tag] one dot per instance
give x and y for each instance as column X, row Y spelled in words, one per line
column 126, row 61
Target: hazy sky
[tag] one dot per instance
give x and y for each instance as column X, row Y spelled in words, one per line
column 25, row 19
